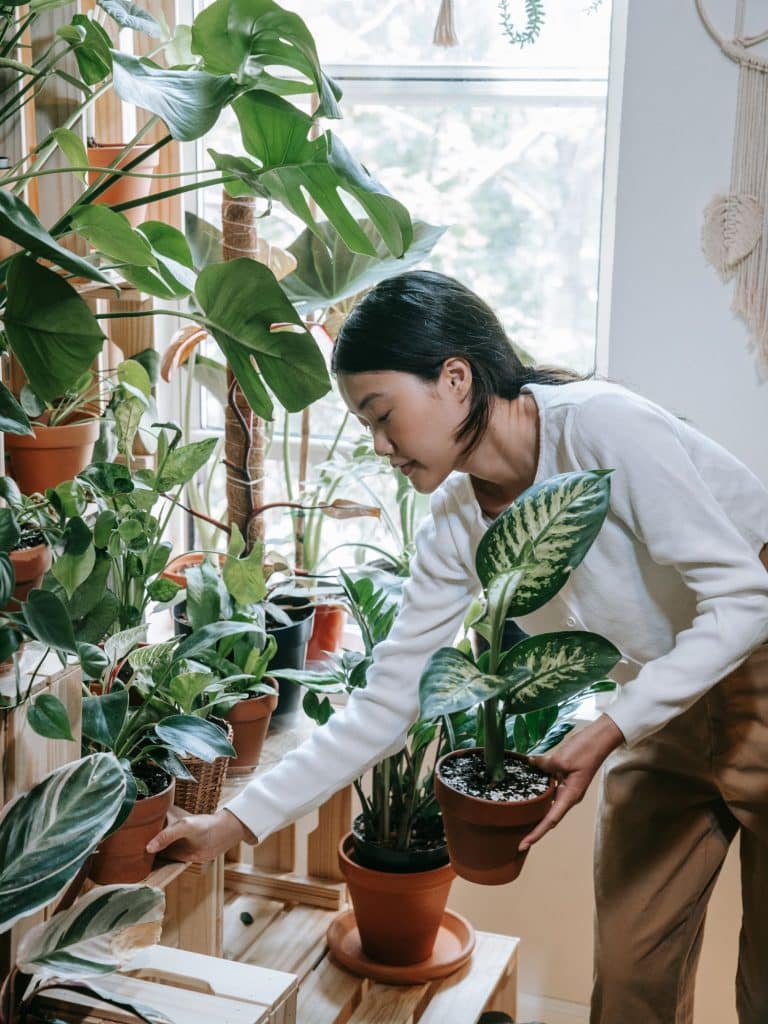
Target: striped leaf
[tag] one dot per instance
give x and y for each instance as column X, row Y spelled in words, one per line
column 451, row 682
column 47, row 833
column 546, row 532
column 559, row 665
column 99, row 934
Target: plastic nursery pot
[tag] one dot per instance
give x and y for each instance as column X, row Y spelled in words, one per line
column 122, row 856
column 384, row 858
column 292, row 643
column 30, row 564
column 250, row 720
column 54, row 454
column 327, row 630
column 483, row 835
column 126, row 188
column 181, row 624
column 398, row 914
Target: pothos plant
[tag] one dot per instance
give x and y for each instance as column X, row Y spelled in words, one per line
column 524, row 558
column 46, row 838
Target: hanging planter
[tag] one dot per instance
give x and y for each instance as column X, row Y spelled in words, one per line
column 126, row 188
column 51, row 455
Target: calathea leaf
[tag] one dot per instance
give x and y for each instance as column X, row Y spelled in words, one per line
column 104, row 717
column 189, row 735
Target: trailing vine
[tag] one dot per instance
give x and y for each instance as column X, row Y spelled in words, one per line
column 534, row 12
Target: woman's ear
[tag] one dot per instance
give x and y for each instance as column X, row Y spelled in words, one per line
column 457, row 377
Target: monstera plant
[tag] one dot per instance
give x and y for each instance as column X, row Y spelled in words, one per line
column 525, row 557
column 46, row 838
column 250, row 55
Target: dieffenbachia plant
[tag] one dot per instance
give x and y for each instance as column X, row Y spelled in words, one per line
column 525, row 557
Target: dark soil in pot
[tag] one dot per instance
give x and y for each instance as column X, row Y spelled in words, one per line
column 484, row 824
column 425, row 851
column 292, row 642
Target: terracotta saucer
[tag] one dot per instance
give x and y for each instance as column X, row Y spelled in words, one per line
column 453, row 947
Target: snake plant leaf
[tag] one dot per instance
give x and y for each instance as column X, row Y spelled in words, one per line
column 55, row 340
column 546, row 532
column 100, row 934
column 47, row 833
column 241, row 301
column 559, row 665
column 110, row 233
column 130, row 15
column 189, row 101
column 328, row 271
column 275, row 132
column 452, row 682
column 48, row 717
column 104, row 716
column 13, row 419
column 245, row 37
column 191, row 736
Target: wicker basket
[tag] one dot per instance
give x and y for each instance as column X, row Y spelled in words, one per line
column 202, row 796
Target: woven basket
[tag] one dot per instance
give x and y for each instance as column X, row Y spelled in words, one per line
column 202, row 796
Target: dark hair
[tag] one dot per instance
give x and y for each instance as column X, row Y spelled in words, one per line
column 415, row 321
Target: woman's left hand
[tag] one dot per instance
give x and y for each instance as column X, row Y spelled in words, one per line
column 574, row 763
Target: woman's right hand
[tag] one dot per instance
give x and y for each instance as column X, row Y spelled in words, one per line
column 201, row 837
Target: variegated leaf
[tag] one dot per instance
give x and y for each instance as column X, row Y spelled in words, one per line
column 46, row 834
column 99, row 934
column 560, row 665
column 451, row 682
column 546, row 532
column 501, row 594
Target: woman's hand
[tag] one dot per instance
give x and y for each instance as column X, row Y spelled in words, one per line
column 574, row 763
column 201, row 837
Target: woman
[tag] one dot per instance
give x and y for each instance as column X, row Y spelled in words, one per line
column 674, row 579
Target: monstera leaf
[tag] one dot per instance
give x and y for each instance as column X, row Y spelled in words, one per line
column 452, row 682
column 546, row 533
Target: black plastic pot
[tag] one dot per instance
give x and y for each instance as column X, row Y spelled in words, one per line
column 384, row 858
column 181, row 624
column 292, row 642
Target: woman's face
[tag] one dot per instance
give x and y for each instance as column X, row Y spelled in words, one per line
column 412, row 421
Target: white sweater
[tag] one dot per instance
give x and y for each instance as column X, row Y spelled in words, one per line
column 673, row 580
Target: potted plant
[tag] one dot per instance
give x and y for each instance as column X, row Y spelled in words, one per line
column 126, row 188
column 490, row 796
column 47, row 837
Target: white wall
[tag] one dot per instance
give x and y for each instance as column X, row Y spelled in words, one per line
column 667, row 332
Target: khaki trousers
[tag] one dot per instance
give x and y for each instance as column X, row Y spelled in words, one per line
column 669, row 810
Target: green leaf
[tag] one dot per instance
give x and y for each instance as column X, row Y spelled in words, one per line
column 50, row 329
column 184, row 688
column 13, row 419
column 99, row 620
column 48, row 620
column 110, row 233
column 93, row 660
column 191, row 736
column 74, row 566
column 163, row 590
column 7, row 581
column 106, row 522
column 188, row 101
column 205, row 638
column 73, row 148
column 99, row 934
column 244, row 577
column 70, row 494
column 317, row 708
column 203, row 595
column 451, row 682
column 183, row 462
column 104, row 717
column 48, row 717
column 130, row 15
column 173, row 275
column 159, row 557
column 241, row 300
column 108, row 478
column 93, row 53
column 47, row 833
column 120, row 644
column 546, row 532
column 91, row 591
column 131, row 371
column 559, row 665
column 9, row 530
column 328, row 272
column 246, row 174
column 275, row 132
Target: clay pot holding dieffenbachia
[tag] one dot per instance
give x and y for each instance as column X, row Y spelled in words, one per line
column 503, row 703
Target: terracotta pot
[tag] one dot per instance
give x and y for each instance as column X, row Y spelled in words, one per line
column 122, row 856
column 52, row 455
column 327, row 630
column 483, row 835
column 176, row 569
column 125, row 189
column 398, row 914
column 250, row 721
column 29, row 566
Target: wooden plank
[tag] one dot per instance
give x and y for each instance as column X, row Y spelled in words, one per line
column 237, row 936
column 334, row 821
column 329, row 995
column 392, row 1004
column 246, row 982
column 295, row 941
column 292, row 888
column 200, row 907
column 277, row 852
column 180, row 1005
column 464, row 995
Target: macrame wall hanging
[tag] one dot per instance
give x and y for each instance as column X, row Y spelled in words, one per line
column 735, row 230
